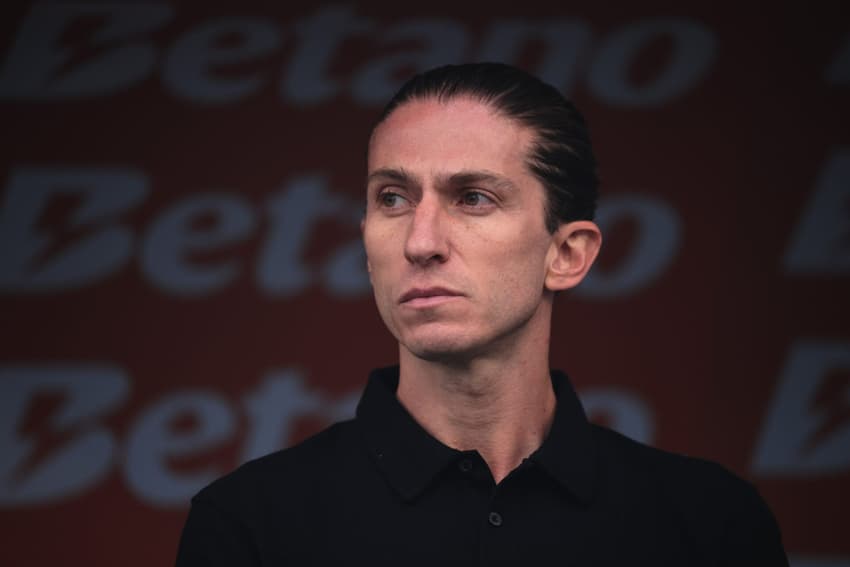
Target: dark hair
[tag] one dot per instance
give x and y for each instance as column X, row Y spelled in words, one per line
column 561, row 157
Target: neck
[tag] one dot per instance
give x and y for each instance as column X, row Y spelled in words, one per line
column 501, row 406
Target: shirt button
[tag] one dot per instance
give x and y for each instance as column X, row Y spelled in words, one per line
column 465, row 465
column 495, row 519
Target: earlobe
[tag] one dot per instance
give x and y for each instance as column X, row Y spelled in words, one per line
column 575, row 246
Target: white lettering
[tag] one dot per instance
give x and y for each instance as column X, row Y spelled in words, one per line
column 121, row 53
column 621, row 411
column 658, row 238
column 273, row 408
column 88, row 392
column 153, row 441
column 170, row 248
column 294, row 212
column 566, row 46
column 345, row 271
column 443, row 41
column 798, row 437
column 32, row 68
column 818, row 561
column 306, row 80
column 191, row 63
column 692, row 53
column 104, row 248
column 179, row 425
column 165, row 253
column 838, row 72
column 821, row 242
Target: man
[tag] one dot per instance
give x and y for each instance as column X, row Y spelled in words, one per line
column 480, row 198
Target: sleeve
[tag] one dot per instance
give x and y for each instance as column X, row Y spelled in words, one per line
column 212, row 538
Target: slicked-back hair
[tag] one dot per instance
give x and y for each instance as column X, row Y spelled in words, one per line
column 561, row 156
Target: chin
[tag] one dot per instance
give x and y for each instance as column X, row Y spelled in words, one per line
column 442, row 348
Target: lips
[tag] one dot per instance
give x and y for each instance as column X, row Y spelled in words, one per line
column 428, row 292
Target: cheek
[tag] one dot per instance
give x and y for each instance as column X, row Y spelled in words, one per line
column 515, row 282
column 380, row 253
column 375, row 246
column 525, row 259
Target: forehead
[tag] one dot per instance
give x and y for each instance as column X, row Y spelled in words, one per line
column 436, row 137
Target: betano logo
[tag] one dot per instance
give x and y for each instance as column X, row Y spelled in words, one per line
column 125, row 47
column 72, row 450
column 94, row 240
column 801, row 436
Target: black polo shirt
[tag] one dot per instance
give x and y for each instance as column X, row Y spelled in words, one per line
column 379, row 490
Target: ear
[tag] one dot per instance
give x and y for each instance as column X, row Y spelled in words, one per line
column 574, row 247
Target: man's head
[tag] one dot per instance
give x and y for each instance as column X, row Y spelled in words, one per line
column 561, row 156
column 462, row 259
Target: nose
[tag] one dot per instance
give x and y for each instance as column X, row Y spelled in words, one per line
column 426, row 240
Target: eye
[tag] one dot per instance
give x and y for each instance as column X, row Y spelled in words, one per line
column 475, row 199
column 390, row 200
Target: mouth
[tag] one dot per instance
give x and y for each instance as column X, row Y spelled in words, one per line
column 424, row 297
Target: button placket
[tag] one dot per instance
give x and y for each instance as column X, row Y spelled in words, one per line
column 495, row 519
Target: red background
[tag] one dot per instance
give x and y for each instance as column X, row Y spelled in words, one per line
column 736, row 156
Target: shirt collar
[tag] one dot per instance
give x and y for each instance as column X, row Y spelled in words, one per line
column 568, row 453
column 411, row 459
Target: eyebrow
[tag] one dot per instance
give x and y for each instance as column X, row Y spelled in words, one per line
column 391, row 174
column 464, row 177
column 468, row 177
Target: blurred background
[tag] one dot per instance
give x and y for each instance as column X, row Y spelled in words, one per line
column 183, row 288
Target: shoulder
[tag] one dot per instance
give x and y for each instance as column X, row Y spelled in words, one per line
column 717, row 511
column 673, row 470
column 288, row 474
column 238, row 519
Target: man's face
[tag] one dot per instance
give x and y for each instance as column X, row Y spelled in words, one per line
column 454, row 229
